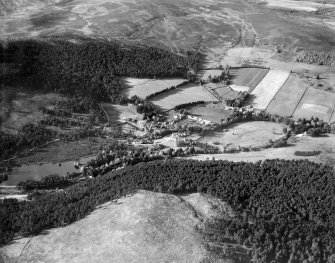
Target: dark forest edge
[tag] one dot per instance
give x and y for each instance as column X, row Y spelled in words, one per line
column 87, row 71
column 284, row 209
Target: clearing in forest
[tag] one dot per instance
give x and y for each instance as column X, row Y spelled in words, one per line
column 144, row 87
column 268, row 87
column 204, row 74
column 288, row 97
column 316, row 103
column 185, row 94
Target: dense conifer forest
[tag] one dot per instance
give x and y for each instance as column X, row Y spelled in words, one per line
column 284, row 209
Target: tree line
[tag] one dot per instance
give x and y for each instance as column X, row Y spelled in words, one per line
column 284, row 209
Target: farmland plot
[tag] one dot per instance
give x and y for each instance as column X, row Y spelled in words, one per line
column 268, row 87
column 288, row 97
column 316, row 103
column 204, row 74
column 210, row 114
column 144, row 87
column 223, row 92
column 249, row 77
column 185, row 94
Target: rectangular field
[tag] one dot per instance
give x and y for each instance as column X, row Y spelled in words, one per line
column 144, row 87
column 288, row 97
column 316, row 103
column 249, row 77
column 268, row 87
column 184, row 94
column 222, row 91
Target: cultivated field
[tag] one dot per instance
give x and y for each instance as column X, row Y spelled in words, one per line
column 247, row 77
column 145, row 87
column 184, row 94
column 146, row 227
column 239, row 88
column 288, row 97
column 268, row 87
column 316, row 103
column 245, row 134
column 210, row 113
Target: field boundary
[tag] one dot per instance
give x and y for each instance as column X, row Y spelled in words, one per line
column 277, row 93
column 296, row 106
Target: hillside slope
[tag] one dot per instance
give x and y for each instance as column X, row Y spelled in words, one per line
column 146, row 227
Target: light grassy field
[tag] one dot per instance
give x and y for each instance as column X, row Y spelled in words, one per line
column 145, row 87
column 268, row 87
column 316, row 103
column 245, row 134
column 288, row 97
column 185, row 94
column 146, row 227
column 324, row 144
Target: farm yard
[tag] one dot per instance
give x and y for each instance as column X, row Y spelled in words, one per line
column 185, row 94
column 144, row 87
column 213, row 114
column 316, row 103
column 247, row 77
column 268, row 87
column 288, row 97
column 256, row 133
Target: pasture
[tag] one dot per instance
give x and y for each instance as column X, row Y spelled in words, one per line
column 144, row 87
column 247, row 77
column 185, row 94
column 268, row 87
column 213, row 114
column 288, row 97
column 255, row 133
column 316, row 103
column 116, row 113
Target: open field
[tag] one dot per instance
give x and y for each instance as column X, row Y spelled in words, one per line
column 19, row 107
column 239, row 88
column 268, row 87
column 316, row 103
column 145, row 87
column 146, row 227
column 247, row 77
column 324, row 144
column 288, row 97
column 210, row 113
column 245, row 134
column 184, row 94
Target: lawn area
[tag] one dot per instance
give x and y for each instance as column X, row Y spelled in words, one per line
column 288, row 97
column 188, row 93
column 316, row 103
column 144, row 87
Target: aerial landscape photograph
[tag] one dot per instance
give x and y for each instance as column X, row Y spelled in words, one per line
column 167, row 131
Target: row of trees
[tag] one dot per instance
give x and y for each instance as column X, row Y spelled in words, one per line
column 284, row 209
